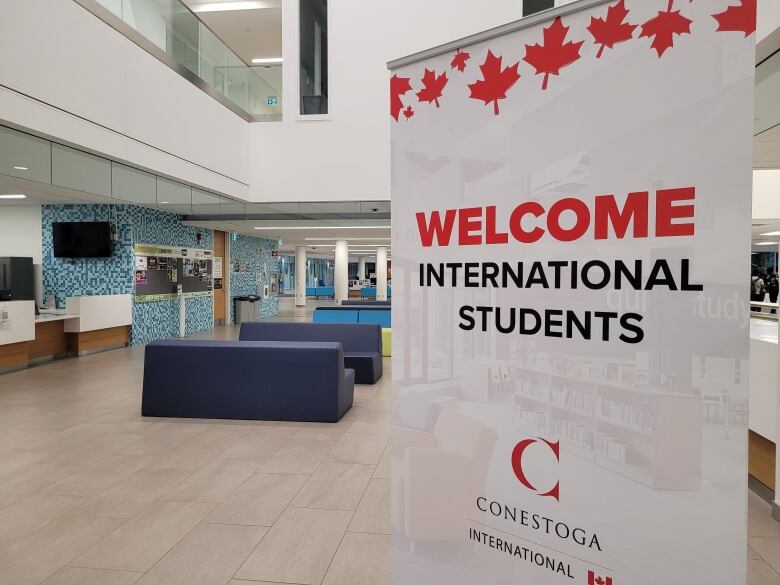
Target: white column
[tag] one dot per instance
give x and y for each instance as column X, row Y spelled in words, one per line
column 361, row 267
column 341, row 271
column 381, row 273
column 300, row 276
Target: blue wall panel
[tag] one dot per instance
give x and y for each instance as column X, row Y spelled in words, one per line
column 246, row 249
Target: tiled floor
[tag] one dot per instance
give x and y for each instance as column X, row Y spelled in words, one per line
column 93, row 494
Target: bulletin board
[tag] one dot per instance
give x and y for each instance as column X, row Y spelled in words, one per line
column 158, row 271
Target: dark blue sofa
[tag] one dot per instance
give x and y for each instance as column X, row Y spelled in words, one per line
column 246, row 380
column 362, row 343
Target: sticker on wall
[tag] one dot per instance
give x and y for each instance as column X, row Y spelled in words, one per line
column 140, row 277
column 152, row 263
column 173, row 275
column 140, row 262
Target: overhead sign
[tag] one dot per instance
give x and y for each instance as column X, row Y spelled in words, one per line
column 571, row 214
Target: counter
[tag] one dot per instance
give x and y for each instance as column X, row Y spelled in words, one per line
column 87, row 325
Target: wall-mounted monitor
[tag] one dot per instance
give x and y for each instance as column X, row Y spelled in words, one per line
column 84, row 239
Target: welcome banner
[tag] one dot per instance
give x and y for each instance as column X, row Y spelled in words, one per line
column 571, row 227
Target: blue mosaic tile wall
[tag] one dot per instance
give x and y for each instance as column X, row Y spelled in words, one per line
column 102, row 276
column 245, row 249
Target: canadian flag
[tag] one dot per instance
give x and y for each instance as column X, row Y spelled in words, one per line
column 594, row 579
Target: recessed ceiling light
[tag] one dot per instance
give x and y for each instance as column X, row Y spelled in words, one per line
column 348, row 239
column 268, row 61
column 164, row 202
column 771, row 234
column 13, row 196
column 237, row 5
column 325, row 227
column 20, row 168
column 767, row 243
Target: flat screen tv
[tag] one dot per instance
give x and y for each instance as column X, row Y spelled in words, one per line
column 84, row 239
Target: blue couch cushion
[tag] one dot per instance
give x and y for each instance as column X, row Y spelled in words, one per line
column 381, row 318
column 246, row 380
column 335, row 316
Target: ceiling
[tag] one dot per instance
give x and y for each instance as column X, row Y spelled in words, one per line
column 766, row 149
column 251, row 34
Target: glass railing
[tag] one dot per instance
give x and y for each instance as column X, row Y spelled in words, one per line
column 177, row 31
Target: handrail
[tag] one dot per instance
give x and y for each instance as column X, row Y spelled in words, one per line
column 174, row 34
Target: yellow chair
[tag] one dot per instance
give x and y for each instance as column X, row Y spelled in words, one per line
column 387, row 342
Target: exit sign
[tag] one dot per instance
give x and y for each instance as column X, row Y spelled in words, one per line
column 273, row 101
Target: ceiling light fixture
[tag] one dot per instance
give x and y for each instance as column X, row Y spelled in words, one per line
column 238, row 5
column 20, row 168
column 767, row 243
column 771, row 234
column 351, row 239
column 13, row 196
column 325, row 227
column 268, row 61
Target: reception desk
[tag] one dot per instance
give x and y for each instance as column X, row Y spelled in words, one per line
column 87, row 325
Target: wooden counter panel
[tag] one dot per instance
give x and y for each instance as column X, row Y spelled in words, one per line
column 49, row 339
column 100, row 339
column 14, row 355
column 761, row 459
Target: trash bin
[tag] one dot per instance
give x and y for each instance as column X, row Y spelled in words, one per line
column 245, row 309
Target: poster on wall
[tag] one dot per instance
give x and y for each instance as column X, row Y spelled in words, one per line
column 571, row 213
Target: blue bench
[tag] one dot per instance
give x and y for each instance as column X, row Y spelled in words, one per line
column 321, row 291
column 365, row 304
column 186, row 378
column 362, row 343
column 380, row 315
column 370, row 292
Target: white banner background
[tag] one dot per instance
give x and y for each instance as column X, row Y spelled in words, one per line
column 665, row 493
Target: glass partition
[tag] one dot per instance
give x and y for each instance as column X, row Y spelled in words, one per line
column 175, row 29
column 767, row 91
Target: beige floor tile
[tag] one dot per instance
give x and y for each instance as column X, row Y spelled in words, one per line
column 208, row 555
column 164, row 440
column 362, row 559
column 260, row 444
column 31, row 480
column 760, row 573
column 359, row 448
column 320, row 434
column 200, row 449
column 133, row 494
column 373, row 514
column 79, row 576
column 31, row 513
column 97, row 478
column 382, row 402
column 101, row 448
column 45, row 551
column 143, row 540
column 768, row 548
column 298, row 456
column 259, row 501
column 214, row 482
column 382, row 470
column 309, row 538
column 372, row 421
column 13, row 461
column 760, row 521
column 335, row 486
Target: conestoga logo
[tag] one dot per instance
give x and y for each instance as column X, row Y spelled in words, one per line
column 517, row 466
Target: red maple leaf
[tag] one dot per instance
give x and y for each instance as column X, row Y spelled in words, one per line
column 554, row 55
column 740, row 18
column 398, row 87
column 433, row 86
column 612, row 30
column 459, row 60
column 495, row 81
column 664, row 26
column 408, row 112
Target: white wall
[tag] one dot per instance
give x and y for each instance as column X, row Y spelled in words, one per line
column 348, row 156
column 20, row 231
column 766, row 194
column 90, row 86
